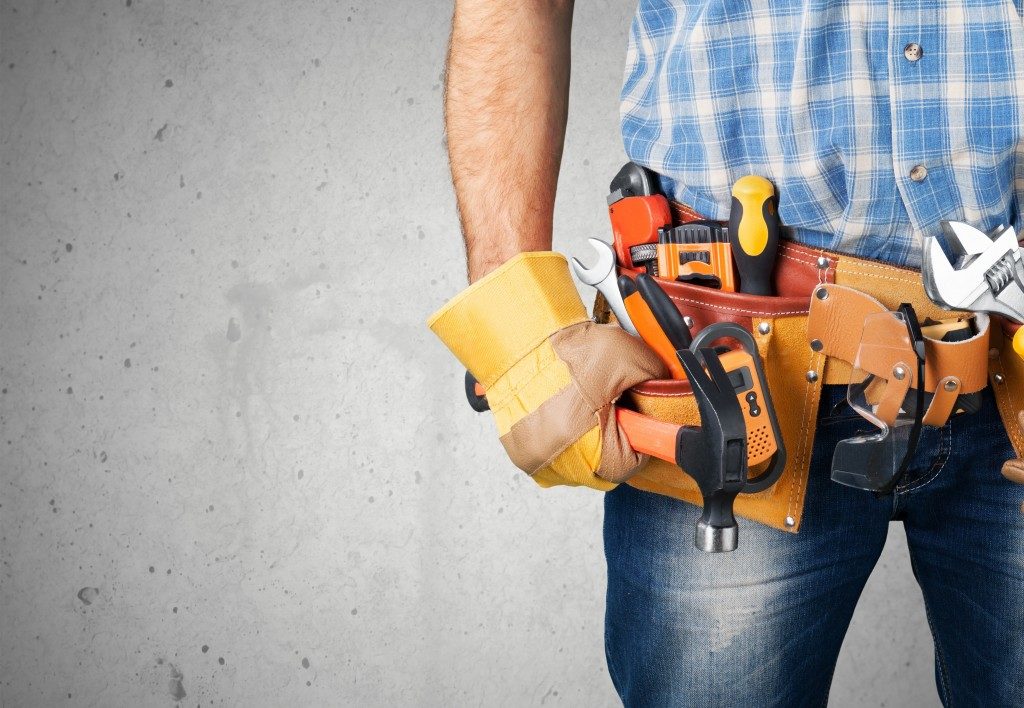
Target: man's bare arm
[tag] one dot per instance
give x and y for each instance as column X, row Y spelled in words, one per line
column 506, row 100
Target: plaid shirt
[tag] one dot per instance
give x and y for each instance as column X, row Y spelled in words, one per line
column 875, row 119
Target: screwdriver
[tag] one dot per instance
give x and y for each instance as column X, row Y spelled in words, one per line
column 754, row 233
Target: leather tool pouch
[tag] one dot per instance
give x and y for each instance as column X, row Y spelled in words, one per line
column 952, row 369
column 779, row 325
column 783, row 329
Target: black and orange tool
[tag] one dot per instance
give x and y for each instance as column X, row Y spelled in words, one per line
column 636, row 211
column 697, row 252
column 750, row 385
column 647, row 325
column 744, row 368
column 714, row 455
column 665, row 313
column 738, row 430
column 731, row 393
column 754, row 233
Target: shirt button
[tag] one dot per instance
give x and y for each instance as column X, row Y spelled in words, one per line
column 919, row 173
column 913, row 51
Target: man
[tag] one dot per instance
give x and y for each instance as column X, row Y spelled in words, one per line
column 875, row 120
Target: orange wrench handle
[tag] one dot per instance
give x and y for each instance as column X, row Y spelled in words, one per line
column 636, row 220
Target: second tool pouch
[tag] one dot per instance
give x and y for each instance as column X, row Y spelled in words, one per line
column 779, row 328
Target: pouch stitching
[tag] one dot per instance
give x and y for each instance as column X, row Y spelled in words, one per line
column 808, row 394
column 1013, row 398
column 905, row 280
column 663, row 395
column 741, row 310
column 860, row 263
column 1012, row 430
column 802, row 261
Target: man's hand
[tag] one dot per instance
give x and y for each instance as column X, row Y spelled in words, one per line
column 506, row 102
column 551, row 374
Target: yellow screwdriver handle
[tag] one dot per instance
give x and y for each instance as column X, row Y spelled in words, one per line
column 1018, row 342
column 752, row 193
column 754, row 233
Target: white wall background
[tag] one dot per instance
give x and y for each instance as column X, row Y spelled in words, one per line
column 236, row 468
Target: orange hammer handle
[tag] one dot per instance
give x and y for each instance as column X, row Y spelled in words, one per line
column 652, row 333
column 647, row 435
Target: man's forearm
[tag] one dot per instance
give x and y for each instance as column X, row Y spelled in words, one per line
column 506, row 101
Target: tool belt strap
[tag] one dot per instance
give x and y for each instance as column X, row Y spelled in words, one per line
column 835, row 328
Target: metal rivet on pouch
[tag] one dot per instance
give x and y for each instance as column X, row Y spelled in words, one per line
column 999, row 379
column 823, row 263
column 812, row 376
column 790, row 521
column 764, row 328
column 688, row 321
column 816, row 345
column 899, row 373
column 952, row 385
column 821, row 293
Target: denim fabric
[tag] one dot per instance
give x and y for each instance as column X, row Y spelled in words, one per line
column 820, row 97
column 762, row 626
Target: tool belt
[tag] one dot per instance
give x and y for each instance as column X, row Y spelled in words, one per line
column 808, row 334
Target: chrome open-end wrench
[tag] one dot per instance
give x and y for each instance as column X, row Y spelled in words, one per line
column 603, row 277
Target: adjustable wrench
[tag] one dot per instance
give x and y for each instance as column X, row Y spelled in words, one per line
column 988, row 275
column 603, row 277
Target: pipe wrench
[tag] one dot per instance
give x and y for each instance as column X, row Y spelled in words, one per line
column 603, row 277
column 988, row 275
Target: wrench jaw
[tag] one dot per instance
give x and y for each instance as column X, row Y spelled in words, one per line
column 602, row 276
column 599, row 271
column 939, row 277
column 966, row 240
column 970, row 283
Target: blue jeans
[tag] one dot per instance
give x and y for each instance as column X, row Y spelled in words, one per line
column 762, row 626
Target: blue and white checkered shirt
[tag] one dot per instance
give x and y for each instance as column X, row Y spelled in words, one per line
column 875, row 119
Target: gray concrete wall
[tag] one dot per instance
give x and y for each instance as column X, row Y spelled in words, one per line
column 237, row 469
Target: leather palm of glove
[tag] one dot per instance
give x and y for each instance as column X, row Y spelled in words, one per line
column 1013, row 470
column 551, row 374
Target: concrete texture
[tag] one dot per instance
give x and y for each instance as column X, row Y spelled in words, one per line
column 237, row 469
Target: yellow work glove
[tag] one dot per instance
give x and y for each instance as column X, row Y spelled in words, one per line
column 550, row 373
column 1013, row 470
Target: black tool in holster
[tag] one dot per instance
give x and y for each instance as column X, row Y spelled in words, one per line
column 715, row 454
